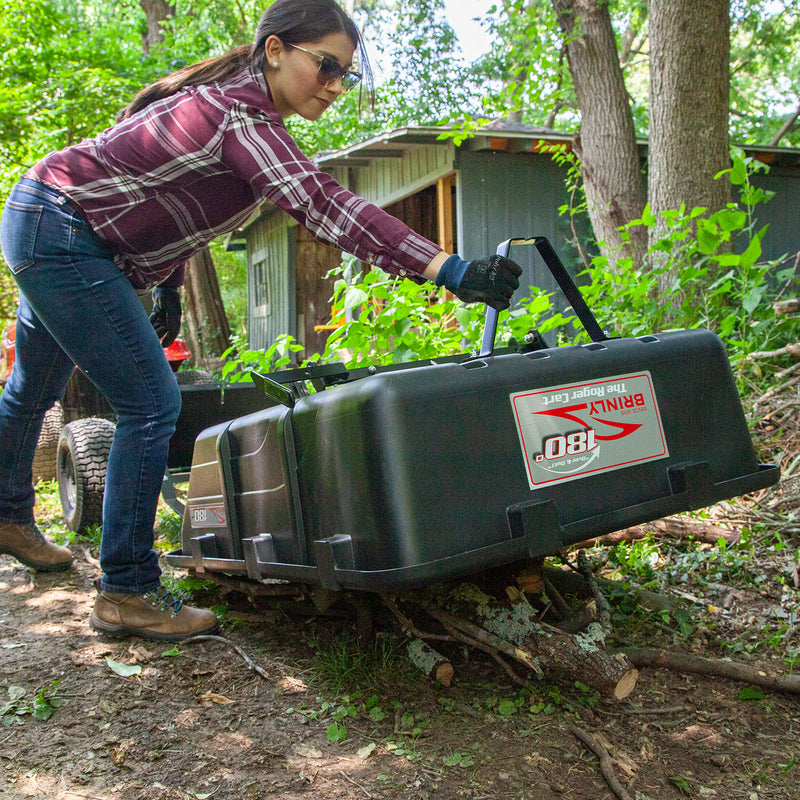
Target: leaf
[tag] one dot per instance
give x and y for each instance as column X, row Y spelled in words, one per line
column 377, row 714
column 366, row 751
column 212, row 697
column 124, row 670
column 507, row 708
column 336, row 732
column 751, row 693
column 16, row 693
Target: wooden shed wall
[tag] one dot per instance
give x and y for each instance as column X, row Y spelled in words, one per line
column 271, row 288
column 781, row 212
column 502, row 196
column 389, row 179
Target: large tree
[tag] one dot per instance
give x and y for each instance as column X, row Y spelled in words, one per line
column 606, row 142
column 689, row 102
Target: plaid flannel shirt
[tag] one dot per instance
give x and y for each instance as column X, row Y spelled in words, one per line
column 163, row 183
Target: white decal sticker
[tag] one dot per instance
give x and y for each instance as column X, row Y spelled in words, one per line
column 208, row 516
column 579, row 429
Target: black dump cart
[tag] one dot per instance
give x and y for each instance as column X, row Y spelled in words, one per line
column 388, row 477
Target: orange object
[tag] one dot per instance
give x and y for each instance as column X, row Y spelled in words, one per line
column 7, row 351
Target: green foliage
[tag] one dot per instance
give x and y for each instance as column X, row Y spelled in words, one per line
column 231, row 269
column 41, row 706
column 391, row 321
column 346, row 668
column 525, row 70
column 717, row 280
column 168, row 525
column 239, row 361
column 765, row 69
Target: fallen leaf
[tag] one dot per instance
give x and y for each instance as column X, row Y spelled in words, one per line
column 289, row 685
column 211, row 697
column 139, row 655
column 124, row 670
column 366, row 751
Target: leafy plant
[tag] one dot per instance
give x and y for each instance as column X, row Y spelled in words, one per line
column 240, row 361
column 42, row 706
column 390, row 320
column 715, row 286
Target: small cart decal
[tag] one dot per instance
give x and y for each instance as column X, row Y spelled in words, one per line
column 574, row 430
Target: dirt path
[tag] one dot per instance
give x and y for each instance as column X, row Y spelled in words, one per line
column 198, row 723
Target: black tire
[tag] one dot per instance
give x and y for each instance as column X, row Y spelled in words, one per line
column 81, row 467
column 195, row 377
column 44, row 458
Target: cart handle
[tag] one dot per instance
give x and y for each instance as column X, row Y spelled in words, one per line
column 565, row 282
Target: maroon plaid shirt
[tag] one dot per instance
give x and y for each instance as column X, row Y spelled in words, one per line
column 163, row 183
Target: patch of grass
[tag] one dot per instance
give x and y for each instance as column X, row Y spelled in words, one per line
column 345, row 666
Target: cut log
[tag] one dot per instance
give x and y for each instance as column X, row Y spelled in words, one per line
column 515, row 631
column 568, row 658
column 432, row 664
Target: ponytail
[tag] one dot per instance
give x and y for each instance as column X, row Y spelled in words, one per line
column 292, row 21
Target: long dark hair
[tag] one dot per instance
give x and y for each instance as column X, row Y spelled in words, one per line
column 292, row 21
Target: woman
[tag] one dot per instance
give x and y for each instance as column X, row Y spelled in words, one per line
column 192, row 157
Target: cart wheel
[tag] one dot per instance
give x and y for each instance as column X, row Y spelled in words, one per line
column 195, row 377
column 81, row 465
column 44, row 458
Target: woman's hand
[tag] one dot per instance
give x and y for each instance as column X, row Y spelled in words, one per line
column 489, row 280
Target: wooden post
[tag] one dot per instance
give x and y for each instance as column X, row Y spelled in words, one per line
column 444, row 212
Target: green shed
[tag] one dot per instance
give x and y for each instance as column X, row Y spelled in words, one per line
column 501, row 183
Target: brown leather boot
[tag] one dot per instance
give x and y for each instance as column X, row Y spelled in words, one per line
column 157, row 615
column 26, row 544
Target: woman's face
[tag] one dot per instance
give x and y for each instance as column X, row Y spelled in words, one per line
column 293, row 83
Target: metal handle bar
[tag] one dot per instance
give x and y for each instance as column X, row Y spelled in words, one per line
column 563, row 279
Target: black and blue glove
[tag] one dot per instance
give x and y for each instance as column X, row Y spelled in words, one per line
column 489, row 280
column 166, row 315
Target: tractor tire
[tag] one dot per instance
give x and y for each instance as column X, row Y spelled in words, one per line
column 195, row 377
column 81, row 468
column 44, row 458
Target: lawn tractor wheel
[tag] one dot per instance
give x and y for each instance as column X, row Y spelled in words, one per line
column 44, row 458
column 195, row 377
column 81, row 464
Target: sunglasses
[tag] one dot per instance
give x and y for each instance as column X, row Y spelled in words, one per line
column 331, row 71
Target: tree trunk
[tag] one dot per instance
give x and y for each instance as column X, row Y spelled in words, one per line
column 606, row 144
column 205, row 324
column 689, row 103
column 156, row 12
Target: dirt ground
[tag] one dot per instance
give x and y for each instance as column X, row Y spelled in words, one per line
column 196, row 722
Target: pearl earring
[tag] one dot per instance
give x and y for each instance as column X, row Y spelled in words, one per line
column 275, row 64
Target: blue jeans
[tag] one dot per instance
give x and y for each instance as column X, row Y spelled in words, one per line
column 77, row 307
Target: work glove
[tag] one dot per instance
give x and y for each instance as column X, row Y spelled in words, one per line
column 166, row 314
column 489, row 280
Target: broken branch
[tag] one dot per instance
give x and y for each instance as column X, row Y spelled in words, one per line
column 606, row 762
column 717, row 667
